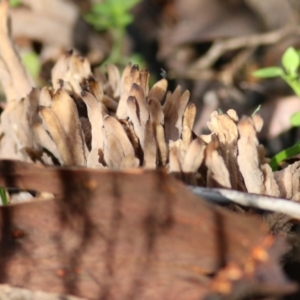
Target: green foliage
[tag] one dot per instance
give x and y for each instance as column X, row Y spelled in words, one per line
column 283, row 155
column 14, row 3
column 3, row 196
column 137, row 59
column 113, row 16
column 289, row 73
column 295, row 119
column 290, row 61
column 32, row 63
column 269, row 72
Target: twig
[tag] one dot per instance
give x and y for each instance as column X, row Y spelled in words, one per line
column 220, row 47
column 280, row 205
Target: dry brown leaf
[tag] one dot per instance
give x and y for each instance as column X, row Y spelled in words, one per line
column 276, row 115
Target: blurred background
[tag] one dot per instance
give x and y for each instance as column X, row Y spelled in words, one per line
column 210, row 47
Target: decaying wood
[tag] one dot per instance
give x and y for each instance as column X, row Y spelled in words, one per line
column 130, row 235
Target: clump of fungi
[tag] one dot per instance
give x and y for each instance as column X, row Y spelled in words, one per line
column 117, row 121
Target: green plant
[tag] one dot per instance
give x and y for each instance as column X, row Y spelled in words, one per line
column 14, row 3
column 289, row 73
column 3, row 196
column 112, row 15
column 32, row 63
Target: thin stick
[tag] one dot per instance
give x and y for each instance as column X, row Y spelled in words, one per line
column 280, row 205
column 220, row 47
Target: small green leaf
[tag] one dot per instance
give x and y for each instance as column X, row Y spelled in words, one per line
column 283, row 155
column 295, row 119
column 269, row 72
column 290, row 60
column 3, row 197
